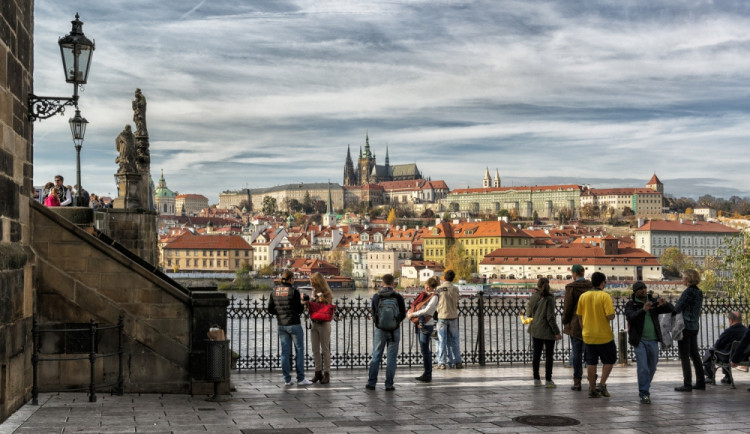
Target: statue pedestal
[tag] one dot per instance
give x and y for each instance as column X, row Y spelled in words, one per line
column 129, row 188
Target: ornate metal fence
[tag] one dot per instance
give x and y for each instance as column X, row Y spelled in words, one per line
column 491, row 332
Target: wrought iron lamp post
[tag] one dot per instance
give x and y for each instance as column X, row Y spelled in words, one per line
column 78, row 128
column 76, row 51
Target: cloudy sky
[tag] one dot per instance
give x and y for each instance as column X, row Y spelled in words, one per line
column 259, row 93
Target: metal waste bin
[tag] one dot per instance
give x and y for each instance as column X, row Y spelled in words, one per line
column 217, row 361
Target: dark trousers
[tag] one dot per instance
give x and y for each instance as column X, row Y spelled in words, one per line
column 688, row 350
column 549, row 347
column 708, row 364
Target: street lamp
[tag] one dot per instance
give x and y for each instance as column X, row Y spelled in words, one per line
column 78, row 129
column 76, row 51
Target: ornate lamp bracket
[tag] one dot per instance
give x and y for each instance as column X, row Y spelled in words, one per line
column 44, row 107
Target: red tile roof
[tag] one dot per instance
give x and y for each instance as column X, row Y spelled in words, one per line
column 562, row 187
column 653, row 180
column 198, row 242
column 618, row 191
column 687, row 226
column 569, row 255
column 494, row 228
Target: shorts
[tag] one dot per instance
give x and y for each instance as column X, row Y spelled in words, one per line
column 606, row 352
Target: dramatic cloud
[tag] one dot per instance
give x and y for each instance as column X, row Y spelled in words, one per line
column 270, row 92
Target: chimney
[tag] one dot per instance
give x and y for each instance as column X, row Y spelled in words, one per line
column 695, row 222
column 437, row 221
column 682, row 221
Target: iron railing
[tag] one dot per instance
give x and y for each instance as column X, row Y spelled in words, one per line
column 490, row 327
column 82, row 340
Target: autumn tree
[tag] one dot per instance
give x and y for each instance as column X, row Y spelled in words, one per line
column 737, row 264
column 674, row 262
column 392, row 219
column 308, row 206
column 428, row 214
column 457, row 259
column 269, row 205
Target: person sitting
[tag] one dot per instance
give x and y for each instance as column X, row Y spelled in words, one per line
column 734, row 332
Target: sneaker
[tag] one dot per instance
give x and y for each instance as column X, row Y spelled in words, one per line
column 304, row 382
column 645, row 400
column 602, row 389
column 550, row 384
column 594, row 393
column 537, row 383
column 289, row 383
column 459, row 366
column 441, row 366
column 369, row 387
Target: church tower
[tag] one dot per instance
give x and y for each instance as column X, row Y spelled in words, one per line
column 329, row 218
column 366, row 163
column 655, row 184
column 350, row 177
column 496, row 181
column 486, row 179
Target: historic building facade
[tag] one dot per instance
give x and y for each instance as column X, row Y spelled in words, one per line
column 695, row 239
column 641, row 201
column 229, row 199
column 546, row 200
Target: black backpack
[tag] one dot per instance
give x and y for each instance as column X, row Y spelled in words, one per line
column 388, row 314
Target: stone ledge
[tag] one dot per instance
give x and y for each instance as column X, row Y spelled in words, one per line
column 75, row 214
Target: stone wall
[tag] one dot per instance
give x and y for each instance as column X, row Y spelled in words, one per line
column 134, row 229
column 79, row 277
column 16, row 176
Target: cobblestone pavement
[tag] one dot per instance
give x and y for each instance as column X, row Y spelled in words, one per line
column 472, row 400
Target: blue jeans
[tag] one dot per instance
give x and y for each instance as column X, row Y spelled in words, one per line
column 646, row 358
column 379, row 341
column 576, row 357
column 287, row 335
column 425, row 340
column 448, row 335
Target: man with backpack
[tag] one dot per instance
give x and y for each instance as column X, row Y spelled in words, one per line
column 388, row 310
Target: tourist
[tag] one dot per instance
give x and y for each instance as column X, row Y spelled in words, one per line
column 84, row 195
column 571, row 322
column 320, row 332
column 95, row 203
column 287, row 304
column 63, row 193
column 449, row 346
column 45, row 192
column 690, row 304
column 543, row 330
column 644, row 334
column 596, row 310
column 52, row 199
column 735, row 332
column 388, row 310
column 421, row 313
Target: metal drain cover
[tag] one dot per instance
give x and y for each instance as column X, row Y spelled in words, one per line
column 546, row 420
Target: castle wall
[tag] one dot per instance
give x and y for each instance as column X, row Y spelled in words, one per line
column 16, row 176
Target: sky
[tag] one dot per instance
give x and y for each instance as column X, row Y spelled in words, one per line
column 268, row 92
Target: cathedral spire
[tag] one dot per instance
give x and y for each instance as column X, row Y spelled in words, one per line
column 486, row 179
column 329, row 208
column 496, row 181
column 387, row 161
column 367, row 144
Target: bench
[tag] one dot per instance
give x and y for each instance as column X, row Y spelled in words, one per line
column 720, row 363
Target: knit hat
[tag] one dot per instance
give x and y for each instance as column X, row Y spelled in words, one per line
column 577, row 269
column 638, row 286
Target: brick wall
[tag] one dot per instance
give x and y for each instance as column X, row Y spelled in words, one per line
column 16, row 175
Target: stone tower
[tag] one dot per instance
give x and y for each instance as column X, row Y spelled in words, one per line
column 366, row 163
column 655, row 184
column 350, row 176
column 486, row 180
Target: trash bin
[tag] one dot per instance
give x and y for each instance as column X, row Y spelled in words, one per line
column 217, row 360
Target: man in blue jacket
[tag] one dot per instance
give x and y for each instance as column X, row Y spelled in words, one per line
column 735, row 332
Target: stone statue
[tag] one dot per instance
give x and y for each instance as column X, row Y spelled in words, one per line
column 139, row 114
column 125, row 144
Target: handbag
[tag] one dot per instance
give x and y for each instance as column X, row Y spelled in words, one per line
column 417, row 306
column 321, row 311
column 678, row 326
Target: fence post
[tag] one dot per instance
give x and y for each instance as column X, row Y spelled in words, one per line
column 92, row 359
column 622, row 347
column 120, row 376
column 35, row 361
column 480, row 329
